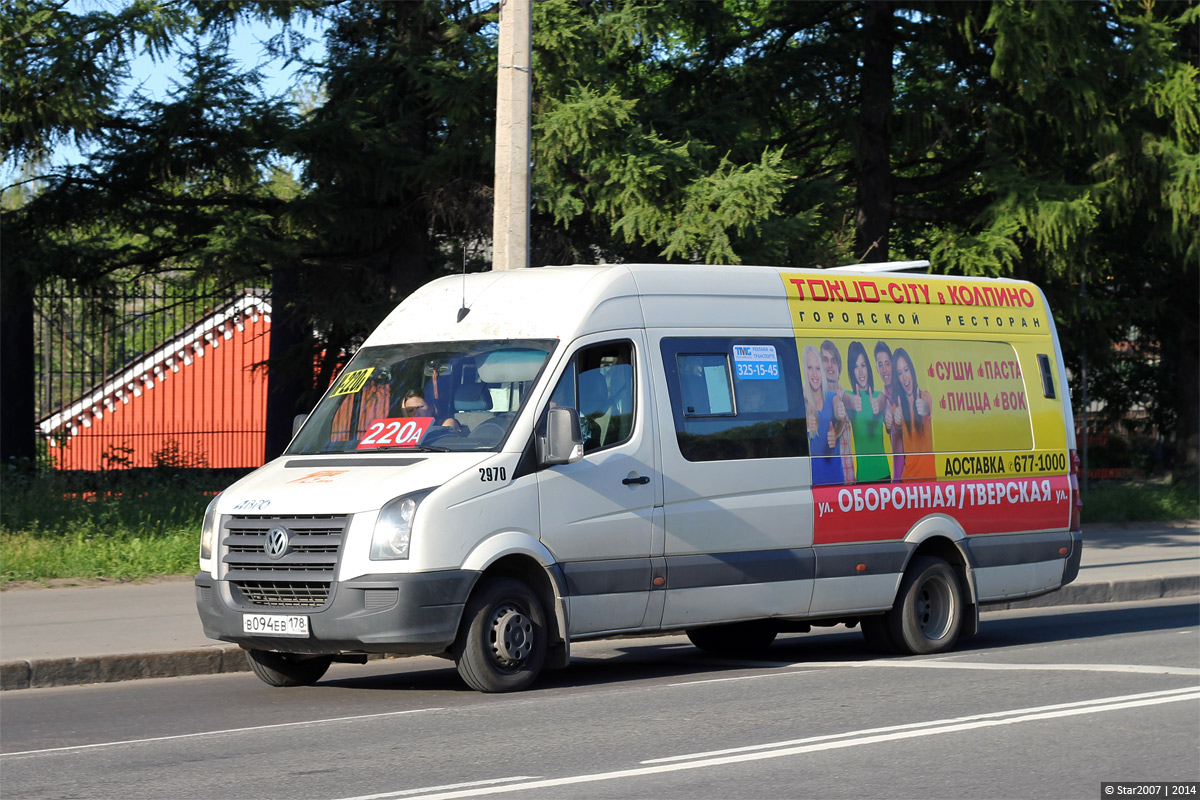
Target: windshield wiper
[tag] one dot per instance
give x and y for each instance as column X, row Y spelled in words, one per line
column 421, row 448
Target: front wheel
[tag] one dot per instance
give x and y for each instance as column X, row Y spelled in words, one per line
column 501, row 645
column 928, row 614
column 287, row 669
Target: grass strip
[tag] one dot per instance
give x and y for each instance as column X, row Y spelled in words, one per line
column 123, row 557
column 1141, row 501
column 139, row 530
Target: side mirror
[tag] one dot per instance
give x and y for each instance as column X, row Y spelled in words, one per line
column 298, row 423
column 563, row 443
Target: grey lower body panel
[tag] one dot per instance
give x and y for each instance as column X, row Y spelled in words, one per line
column 1007, row 549
column 410, row 614
column 1071, row 570
column 1017, row 566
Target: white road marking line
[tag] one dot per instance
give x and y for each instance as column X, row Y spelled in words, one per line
column 302, row 724
column 447, row 787
column 802, row 667
column 750, row 677
column 933, row 728
column 912, row 725
column 1137, row 669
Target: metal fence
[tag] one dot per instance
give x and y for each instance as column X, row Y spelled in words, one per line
column 151, row 374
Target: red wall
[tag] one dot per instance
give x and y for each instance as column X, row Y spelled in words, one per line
column 210, row 413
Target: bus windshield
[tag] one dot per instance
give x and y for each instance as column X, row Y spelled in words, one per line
column 433, row 396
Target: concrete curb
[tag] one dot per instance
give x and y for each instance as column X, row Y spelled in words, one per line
column 47, row 672
column 1120, row 591
column 50, row 672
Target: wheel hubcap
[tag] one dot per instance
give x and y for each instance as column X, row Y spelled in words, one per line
column 512, row 636
column 935, row 608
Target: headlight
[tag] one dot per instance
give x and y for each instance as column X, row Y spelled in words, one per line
column 393, row 528
column 208, row 529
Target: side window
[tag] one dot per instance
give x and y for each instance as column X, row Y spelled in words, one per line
column 706, row 384
column 599, row 383
column 564, row 392
column 736, row 398
column 1047, row 375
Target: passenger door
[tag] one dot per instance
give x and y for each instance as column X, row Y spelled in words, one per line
column 738, row 507
column 597, row 514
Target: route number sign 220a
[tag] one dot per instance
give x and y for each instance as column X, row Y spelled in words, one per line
column 395, row 432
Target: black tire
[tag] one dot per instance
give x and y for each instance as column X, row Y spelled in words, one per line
column 928, row 614
column 501, row 643
column 879, row 638
column 287, row 669
column 734, row 639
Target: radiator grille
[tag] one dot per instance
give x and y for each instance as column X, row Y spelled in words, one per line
column 279, row 593
column 300, row 577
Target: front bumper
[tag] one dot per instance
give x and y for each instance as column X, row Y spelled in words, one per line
column 412, row 614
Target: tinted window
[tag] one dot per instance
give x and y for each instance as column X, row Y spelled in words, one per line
column 706, row 385
column 735, row 398
column 435, row 395
column 599, row 384
column 1047, row 375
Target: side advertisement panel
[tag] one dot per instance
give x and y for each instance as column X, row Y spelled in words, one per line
column 886, row 511
column 899, row 303
column 900, row 427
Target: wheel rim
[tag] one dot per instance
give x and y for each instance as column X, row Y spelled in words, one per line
column 935, row 607
column 512, row 636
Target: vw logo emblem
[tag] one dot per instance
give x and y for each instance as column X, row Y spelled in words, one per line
column 277, row 544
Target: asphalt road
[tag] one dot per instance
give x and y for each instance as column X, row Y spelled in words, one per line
column 1042, row 703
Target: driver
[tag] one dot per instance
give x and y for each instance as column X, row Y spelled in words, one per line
column 415, row 405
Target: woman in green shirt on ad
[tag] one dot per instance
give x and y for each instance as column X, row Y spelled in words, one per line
column 865, row 407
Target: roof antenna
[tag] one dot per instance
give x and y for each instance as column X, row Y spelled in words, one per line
column 462, row 312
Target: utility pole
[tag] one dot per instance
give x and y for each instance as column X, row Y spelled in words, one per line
column 1083, row 400
column 510, row 217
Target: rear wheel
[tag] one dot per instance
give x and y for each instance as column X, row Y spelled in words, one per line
column 501, row 645
column 928, row 614
column 735, row 639
column 287, row 669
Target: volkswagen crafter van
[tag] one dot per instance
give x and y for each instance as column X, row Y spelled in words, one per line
column 515, row 461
